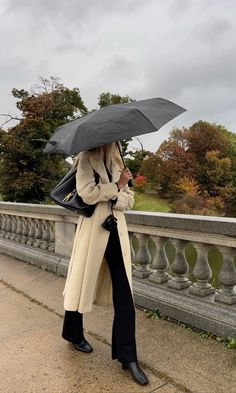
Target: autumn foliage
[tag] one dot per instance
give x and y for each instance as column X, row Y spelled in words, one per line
column 140, row 183
column 195, row 169
column 28, row 174
column 190, row 200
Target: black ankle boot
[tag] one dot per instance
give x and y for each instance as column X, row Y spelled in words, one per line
column 136, row 372
column 83, row 346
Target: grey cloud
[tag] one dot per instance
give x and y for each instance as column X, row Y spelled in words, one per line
column 18, row 70
column 120, row 67
column 182, row 50
column 179, row 7
column 218, row 28
column 214, row 30
column 76, row 22
column 71, row 10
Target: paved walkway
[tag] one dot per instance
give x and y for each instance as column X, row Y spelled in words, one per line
column 35, row 359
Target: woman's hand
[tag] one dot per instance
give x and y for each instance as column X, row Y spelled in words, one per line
column 125, row 176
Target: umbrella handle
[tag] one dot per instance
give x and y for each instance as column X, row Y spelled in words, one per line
column 130, row 184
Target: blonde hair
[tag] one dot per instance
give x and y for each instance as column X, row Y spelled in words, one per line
column 112, row 155
column 110, row 152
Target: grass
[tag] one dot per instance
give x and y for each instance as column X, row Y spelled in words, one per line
column 150, row 202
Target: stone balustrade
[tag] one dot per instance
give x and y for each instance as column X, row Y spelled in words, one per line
column 43, row 235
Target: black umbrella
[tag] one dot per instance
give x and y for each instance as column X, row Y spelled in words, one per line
column 111, row 124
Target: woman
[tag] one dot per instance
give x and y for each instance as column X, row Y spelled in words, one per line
column 100, row 265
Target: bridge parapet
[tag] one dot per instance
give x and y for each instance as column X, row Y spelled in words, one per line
column 178, row 287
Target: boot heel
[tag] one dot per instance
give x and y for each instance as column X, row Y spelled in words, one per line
column 136, row 372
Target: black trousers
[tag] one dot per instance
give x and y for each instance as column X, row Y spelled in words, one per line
column 123, row 329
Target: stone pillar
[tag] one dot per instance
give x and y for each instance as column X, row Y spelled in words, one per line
column 64, row 238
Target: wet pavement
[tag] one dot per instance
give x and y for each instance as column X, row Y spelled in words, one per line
column 34, row 358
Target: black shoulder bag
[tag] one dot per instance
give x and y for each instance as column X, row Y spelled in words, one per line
column 65, row 194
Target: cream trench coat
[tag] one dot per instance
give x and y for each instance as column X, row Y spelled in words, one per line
column 88, row 279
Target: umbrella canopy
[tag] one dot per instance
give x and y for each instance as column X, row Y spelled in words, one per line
column 111, row 124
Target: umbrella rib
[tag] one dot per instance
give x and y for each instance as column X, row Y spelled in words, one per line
column 146, row 118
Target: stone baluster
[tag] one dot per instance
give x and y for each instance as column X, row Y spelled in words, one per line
column 131, row 237
column 31, row 232
column 2, row 224
column 13, row 228
column 19, row 228
column 142, row 257
column 38, row 233
column 180, row 266
column 51, row 247
column 25, row 230
column 45, row 235
column 160, row 261
column 7, row 234
column 202, row 272
column 227, row 277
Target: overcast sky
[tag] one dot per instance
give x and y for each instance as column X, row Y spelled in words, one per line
column 181, row 50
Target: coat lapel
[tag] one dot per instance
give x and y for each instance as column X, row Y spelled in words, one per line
column 99, row 167
column 116, row 171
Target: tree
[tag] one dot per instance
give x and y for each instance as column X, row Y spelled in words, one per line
column 232, row 155
column 135, row 160
column 105, row 99
column 140, row 183
column 189, row 199
column 218, row 174
column 170, row 162
column 174, row 162
column 27, row 174
column 201, row 138
column 149, row 169
column 205, row 153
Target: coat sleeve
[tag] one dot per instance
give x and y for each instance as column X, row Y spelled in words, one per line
column 86, row 186
column 125, row 199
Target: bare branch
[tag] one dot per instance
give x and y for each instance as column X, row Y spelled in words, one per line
column 10, row 118
column 44, row 83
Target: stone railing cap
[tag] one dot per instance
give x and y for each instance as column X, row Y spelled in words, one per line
column 206, row 224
